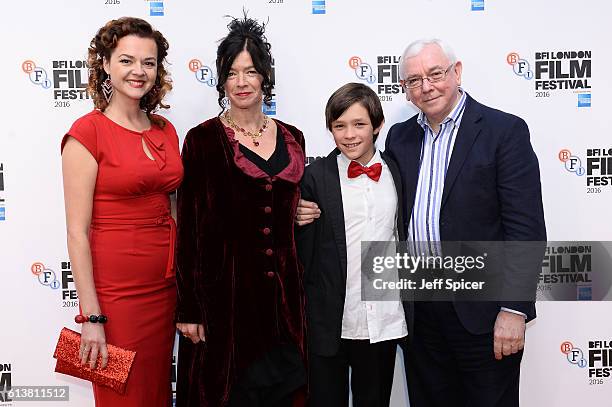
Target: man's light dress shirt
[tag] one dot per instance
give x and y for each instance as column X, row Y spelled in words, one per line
column 436, row 151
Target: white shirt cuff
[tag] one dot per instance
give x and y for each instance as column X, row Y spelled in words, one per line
column 513, row 311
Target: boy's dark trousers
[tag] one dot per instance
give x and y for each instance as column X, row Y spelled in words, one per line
column 371, row 374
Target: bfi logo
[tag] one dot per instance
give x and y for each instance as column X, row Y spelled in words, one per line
column 572, row 163
column 519, row 65
column 362, row 69
column 204, row 74
column 574, row 355
column 38, row 76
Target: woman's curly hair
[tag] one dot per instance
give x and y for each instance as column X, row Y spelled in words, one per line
column 103, row 44
column 245, row 34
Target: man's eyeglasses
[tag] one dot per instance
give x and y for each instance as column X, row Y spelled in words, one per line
column 435, row 76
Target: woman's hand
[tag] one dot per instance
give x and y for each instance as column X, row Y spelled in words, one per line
column 195, row 332
column 93, row 343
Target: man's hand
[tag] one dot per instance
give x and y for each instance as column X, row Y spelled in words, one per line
column 508, row 334
column 307, row 212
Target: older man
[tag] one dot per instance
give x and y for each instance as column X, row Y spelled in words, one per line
column 469, row 173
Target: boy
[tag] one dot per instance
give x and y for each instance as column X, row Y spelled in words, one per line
column 357, row 189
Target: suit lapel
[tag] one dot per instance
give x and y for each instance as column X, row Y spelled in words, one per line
column 335, row 211
column 469, row 129
column 412, row 165
column 397, row 180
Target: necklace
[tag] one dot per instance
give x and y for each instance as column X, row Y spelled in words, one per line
column 253, row 136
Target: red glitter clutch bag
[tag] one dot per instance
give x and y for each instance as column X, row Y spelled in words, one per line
column 114, row 375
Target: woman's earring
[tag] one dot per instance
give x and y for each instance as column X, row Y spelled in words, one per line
column 107, row 89
column 225, row 102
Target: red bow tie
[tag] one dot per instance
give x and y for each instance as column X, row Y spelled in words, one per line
column 373, row 171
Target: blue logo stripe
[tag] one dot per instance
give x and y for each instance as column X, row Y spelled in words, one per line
column 584, row 100
column 477, row 5
column 318, row 6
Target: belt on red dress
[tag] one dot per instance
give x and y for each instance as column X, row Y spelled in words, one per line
column 160, row 220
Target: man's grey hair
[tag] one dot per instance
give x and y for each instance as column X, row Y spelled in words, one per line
column 417, row 46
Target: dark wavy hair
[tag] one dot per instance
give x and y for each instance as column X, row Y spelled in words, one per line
column 103, row 44
column 245, row 34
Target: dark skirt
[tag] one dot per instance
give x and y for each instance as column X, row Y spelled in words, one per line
column 271, row 381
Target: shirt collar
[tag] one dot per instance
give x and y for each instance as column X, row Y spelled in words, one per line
column 345, row 161
column 453, row 116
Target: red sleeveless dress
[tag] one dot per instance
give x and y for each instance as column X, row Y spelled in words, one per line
column 132, row 245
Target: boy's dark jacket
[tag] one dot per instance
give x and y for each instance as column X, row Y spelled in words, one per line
column 322, row 250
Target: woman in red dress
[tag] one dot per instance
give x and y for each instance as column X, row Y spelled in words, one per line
column 120, row 163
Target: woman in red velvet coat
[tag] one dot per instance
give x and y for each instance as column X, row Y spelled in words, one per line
column 240, row 293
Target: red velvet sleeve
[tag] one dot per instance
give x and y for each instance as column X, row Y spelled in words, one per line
column 190, row 308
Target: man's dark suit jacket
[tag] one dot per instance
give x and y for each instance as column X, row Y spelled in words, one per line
column 491, row 192
column 322, row 250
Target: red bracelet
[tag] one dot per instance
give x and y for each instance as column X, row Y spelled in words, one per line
column 101, row 319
